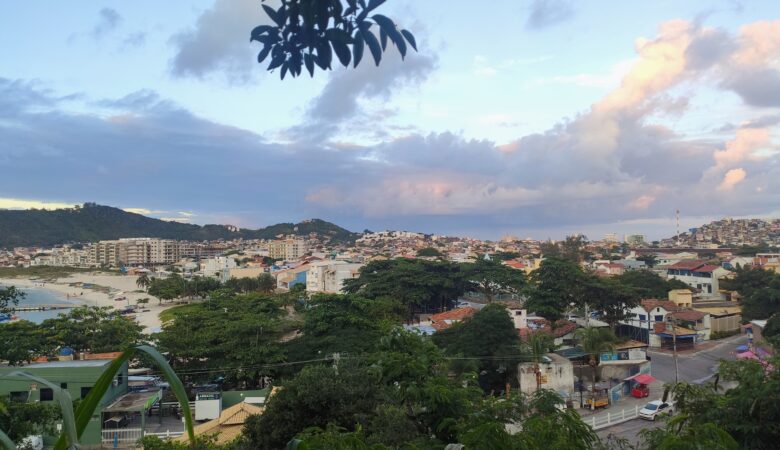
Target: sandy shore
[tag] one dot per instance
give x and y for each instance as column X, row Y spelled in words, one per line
column 124, row 285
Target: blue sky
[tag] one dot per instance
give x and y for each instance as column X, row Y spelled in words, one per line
column 535, row 118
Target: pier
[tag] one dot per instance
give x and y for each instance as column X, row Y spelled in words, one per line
column 42, row 307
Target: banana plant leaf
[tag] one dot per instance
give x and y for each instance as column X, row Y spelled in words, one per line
column 66, row 405
column 91, row 402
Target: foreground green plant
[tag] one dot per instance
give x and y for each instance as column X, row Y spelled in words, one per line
column 91, row 402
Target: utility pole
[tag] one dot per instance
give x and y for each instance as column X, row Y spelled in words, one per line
column 674, row 348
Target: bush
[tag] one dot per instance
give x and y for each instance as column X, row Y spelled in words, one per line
column 723, row 334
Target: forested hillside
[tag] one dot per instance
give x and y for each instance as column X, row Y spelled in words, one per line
column 91, row 222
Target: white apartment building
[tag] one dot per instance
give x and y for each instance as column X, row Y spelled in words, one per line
column 215, row 267
column 138, row 252
column 329, row 276
column 698, row 275
column 288, row 249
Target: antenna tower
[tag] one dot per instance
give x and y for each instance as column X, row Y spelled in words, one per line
column 678, row 228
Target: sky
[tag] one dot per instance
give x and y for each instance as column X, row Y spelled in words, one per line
column 536, row 118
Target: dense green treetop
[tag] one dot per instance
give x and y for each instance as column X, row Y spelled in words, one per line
column 759, row 289
column 417, row 284
column 9, row 297
column 554, row 287
column 491, row 277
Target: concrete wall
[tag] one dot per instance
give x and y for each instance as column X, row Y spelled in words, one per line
column 557, row 375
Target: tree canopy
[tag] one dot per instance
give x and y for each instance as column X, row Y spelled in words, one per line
column 418, row 285
column 759, row 289
column 306, row 34
column 491, row 278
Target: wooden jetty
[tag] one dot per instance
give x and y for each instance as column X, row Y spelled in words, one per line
column 48, row 307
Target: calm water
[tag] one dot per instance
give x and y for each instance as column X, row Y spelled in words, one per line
column 40, row 296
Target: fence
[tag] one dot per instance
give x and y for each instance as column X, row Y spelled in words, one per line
column 608, row 419
column 127, row 437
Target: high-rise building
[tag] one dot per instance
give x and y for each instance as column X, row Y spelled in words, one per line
column 288, row 249
column 138, row 252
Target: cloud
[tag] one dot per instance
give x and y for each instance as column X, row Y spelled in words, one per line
column 219, row 42
column 620, row 160
column 340, row 100
column 108, row 21
column 132, row 40
column 16, row 203
column 642, row 202
column 142, row 211
column 732, row 178
column 545, row 13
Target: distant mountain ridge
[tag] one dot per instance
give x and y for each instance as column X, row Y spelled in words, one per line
column 92, row 222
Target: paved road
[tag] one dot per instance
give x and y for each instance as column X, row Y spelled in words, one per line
column 695, row 368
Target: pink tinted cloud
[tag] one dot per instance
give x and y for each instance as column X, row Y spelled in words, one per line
column 732, row 178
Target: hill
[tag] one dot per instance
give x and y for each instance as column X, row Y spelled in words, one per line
column 91, row 222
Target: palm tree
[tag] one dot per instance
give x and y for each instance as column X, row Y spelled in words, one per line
column 539, row 343
column 595, row 341
column 143, row 281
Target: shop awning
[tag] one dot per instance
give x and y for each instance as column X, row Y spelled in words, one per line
column 642, row 378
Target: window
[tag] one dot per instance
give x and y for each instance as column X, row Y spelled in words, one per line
column 19, row 396
column 85, row 391
column 120, row 379
column 642, row 317
column 63, row 385
column 47, row 395
column 659, row 318
column 518, row 313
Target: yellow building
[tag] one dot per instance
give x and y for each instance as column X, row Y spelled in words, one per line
column 681, row 297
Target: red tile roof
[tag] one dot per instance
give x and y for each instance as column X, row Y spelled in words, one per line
column 689, row 264
column 650, row 304
column 562, row 328
column 515, row 264
column 660, row 327
column 689, row 315
column 707, row 268
column 454, row 314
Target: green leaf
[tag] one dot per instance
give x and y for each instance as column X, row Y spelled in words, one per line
column 255, row 35
column 6, row 441
column 410, row 38
column 324, row 54
column 384, row 23
column 91, row 402
column 342, row 51
column 373, row 45
column 264, row 53
column 296, row 444
column 373, row 4
column 273, row 15
column 66, row 405
column 383, row 38
column 276, row 61
column 309, row 61
column 357, row 49
column 399, row 42
column 338, row 35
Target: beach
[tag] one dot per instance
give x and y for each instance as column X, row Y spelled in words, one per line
column 104, row 287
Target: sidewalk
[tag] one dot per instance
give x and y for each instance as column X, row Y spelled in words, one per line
column 656, row 392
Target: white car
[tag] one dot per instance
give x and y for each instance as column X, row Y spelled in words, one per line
column 654, row 409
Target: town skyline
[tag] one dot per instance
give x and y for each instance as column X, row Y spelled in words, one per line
column 559, row 130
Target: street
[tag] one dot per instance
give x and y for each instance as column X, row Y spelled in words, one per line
column 697, row 368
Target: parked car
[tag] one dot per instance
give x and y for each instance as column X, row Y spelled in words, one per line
column 655, row 408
